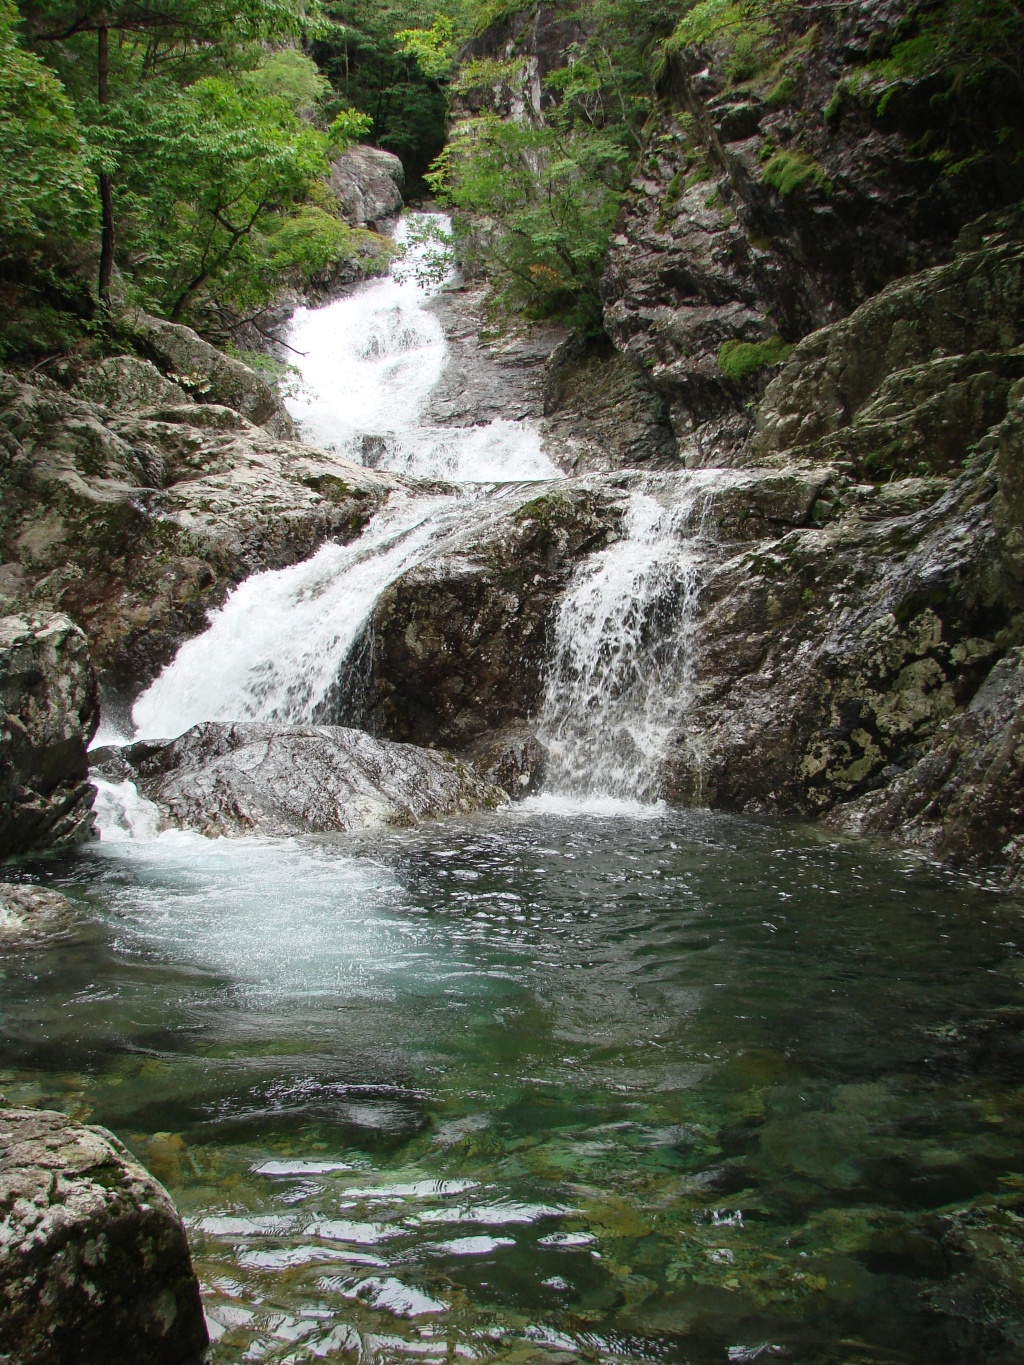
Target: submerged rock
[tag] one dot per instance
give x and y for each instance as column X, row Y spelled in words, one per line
column 50, row 713
column 94, row 1263
column 260, row 778
column 26, row 909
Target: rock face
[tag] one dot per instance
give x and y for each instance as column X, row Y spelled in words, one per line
column 260, row 778
column 207, row 374
column 767, row 207
column 457, row 646
column 50, row 713
column 368, row 184
column 94, row 1263
column 136, row 513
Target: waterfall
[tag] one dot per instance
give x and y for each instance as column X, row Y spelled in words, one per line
column 622, row 661
column 369, row 360
column 275, row 649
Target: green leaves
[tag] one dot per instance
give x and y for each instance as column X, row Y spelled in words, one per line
column 46, row 186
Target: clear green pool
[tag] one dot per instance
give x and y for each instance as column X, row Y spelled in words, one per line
column 539, row 1086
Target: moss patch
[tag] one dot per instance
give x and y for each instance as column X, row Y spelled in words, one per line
column 737, row 359
column 788, row 172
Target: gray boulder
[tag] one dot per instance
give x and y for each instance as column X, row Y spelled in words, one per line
column 261, row 778
column 50, row 713
column 207, row 374
column 94, row 1263
column 368, row 184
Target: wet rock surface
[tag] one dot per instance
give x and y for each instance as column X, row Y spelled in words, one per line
column 270, row 779
column 28, row 910
column 50, row 713
column 94, row 1263
column 457, row 647
column 137, row 514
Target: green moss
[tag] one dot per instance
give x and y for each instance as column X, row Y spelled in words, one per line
column 788, row 172
column 737, row 359
column 783, row 93
column 831, row 111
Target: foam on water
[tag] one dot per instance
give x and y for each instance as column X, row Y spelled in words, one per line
column 368, row 362
column 276, row 648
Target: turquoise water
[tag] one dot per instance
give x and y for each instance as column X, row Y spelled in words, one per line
column 538, row 1086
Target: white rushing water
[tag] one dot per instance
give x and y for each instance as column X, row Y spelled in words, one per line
column 623, row 654
column 621, row 660
column 369, row 361
column 276, row 648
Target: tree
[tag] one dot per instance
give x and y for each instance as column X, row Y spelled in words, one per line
column 46, row 187
column 160, row 34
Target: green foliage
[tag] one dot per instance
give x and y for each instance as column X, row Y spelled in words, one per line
column 433, row 49
column 46, row 187
column 384, row 59
column 737, row 359
column 291, row 76
column 966, row 42
column 537, row 197
column 788, row 172
column 747, row 30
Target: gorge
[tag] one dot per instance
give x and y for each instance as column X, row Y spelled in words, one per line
column 520, row 830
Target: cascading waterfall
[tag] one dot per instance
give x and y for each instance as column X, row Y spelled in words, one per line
column 368, row 362
column 276, row 648
column 621, row 666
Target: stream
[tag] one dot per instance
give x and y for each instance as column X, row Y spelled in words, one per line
column 588, row 1078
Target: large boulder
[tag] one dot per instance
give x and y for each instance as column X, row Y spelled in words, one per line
column 368, row 185
column 50, row 713
column 138, row 512
column 94, row 1262
column 207, row 374
column 260, row 778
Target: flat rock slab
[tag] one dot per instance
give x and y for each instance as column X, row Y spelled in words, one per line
column 259, row 778
column 94, row 1263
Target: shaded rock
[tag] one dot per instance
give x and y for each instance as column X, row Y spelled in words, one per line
column 26, row 909
column 603, row 412
column 512, row 760
column 368, row 184
column 207, row 374
column 916, row 375
column 765, row 208
column 963, row 800
column 137, row 521
column 94, row 1263
column 50, row 713
column 457, row 646
column 260, row 778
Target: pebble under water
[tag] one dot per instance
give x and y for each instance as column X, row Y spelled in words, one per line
column 540, row 1086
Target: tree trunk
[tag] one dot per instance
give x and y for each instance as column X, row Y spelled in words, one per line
column 106, row 188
